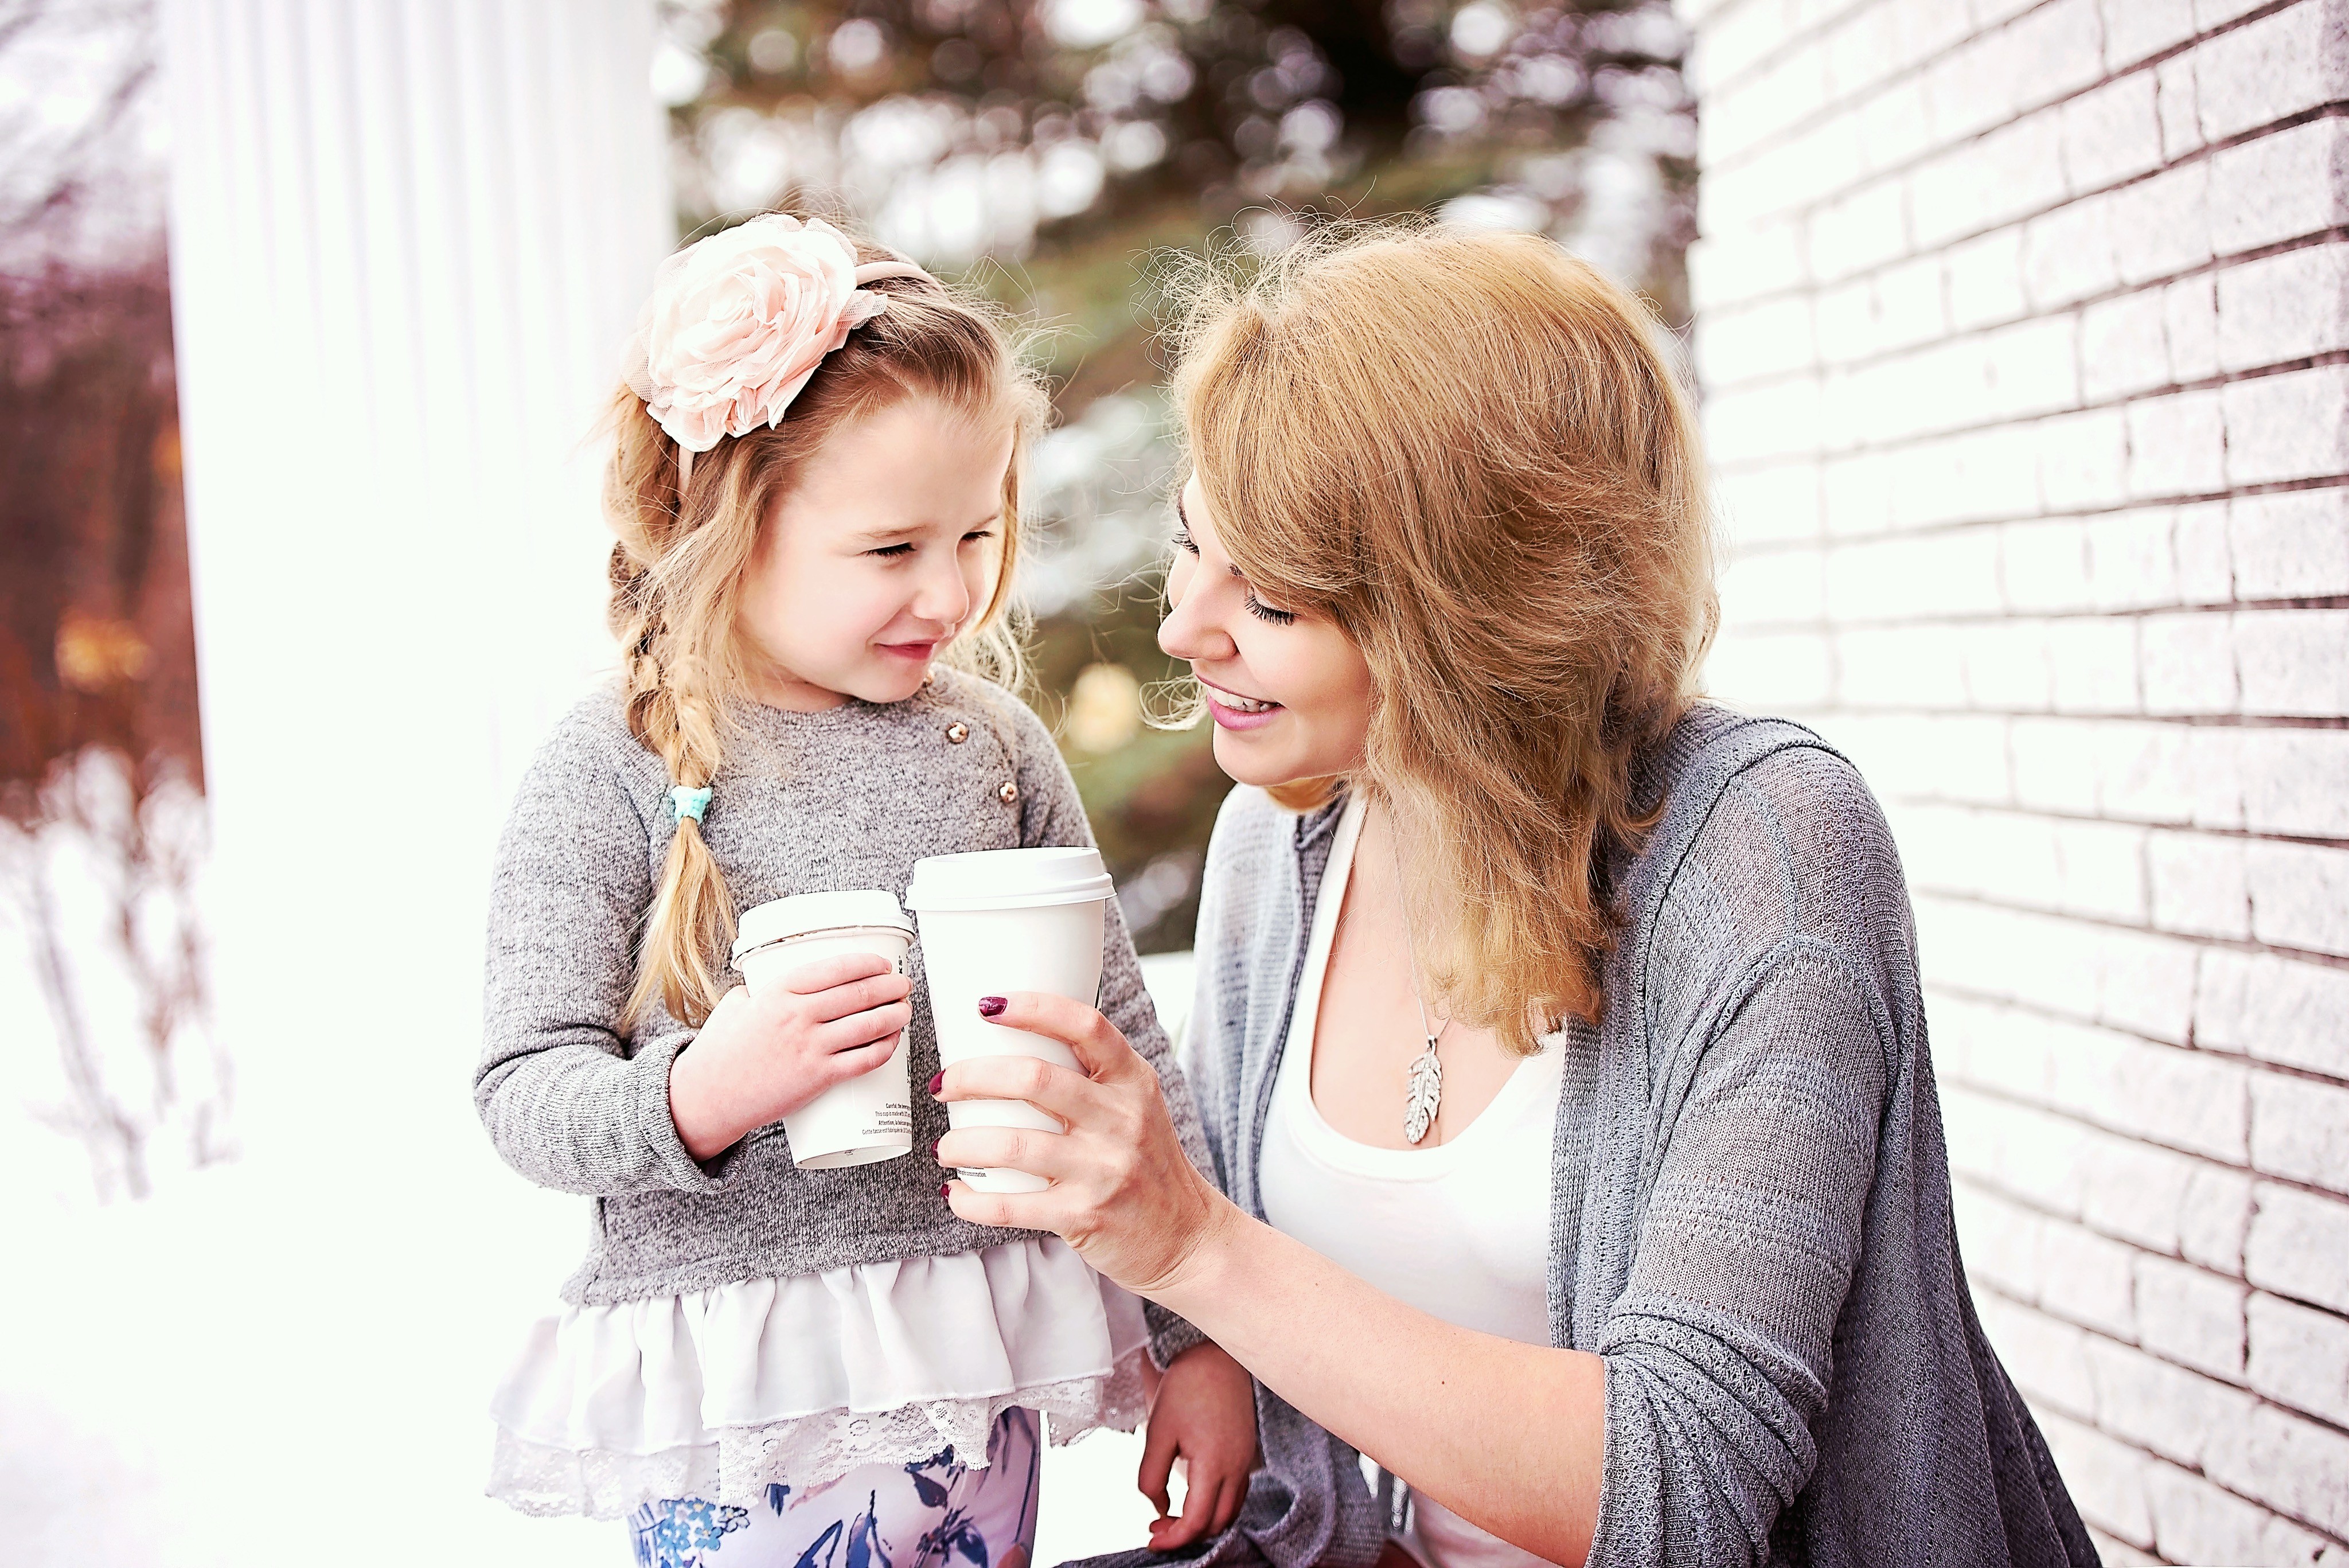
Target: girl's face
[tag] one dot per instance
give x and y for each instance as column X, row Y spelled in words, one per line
column 886, row 551
column 1290, row 694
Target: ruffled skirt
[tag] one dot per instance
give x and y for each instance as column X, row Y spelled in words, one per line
column 721, row 1393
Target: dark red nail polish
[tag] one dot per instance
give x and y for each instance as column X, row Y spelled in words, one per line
column 991, row 1006
column 946, row 1189
column 938, row 1081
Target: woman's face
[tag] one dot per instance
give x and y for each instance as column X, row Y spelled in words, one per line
column 1290, row 696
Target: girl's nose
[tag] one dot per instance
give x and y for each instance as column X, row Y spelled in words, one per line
column 943, row 596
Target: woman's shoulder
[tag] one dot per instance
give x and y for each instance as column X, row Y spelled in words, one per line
column 1769, row 837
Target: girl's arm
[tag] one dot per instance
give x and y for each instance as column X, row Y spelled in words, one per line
column 565, row 1101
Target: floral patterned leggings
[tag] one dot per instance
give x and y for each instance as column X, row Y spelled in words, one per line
column 925, row 1515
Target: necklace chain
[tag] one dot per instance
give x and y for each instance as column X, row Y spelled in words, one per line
column 1424, row 1087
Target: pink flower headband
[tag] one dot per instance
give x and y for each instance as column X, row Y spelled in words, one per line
column 738, row 322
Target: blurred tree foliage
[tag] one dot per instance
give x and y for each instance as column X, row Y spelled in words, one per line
column 1045, row 148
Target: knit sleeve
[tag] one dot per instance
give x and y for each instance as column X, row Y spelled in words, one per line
column 1052, row 814
column 568, row 1100
column 1718, row 1352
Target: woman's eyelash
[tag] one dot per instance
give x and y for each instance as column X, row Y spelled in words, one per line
column 1183, row 542
column 979, row 533
column 1265, row 612
column 891, row 552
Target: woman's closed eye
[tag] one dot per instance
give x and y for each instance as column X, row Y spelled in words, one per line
column 1265, row 612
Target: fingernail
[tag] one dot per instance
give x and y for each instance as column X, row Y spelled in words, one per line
column 938, row 1080
column 946, row 1189
column 936, row 1144
column 991, row 1006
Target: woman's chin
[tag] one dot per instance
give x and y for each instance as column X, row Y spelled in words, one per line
column 1251, row 757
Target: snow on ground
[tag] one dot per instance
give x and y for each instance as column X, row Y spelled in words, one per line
column 287, row 1359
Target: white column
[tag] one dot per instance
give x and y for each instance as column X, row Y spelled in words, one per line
column 408, row 240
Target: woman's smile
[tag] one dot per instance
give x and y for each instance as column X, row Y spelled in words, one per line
column 1233, row 711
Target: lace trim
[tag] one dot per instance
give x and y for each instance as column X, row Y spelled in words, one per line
column 804, row 1452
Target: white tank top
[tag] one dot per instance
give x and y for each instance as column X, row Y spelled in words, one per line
column 1460, row 1231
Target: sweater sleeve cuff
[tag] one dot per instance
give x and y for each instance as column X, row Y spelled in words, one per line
column 670, row 1163
column 1170, row 1335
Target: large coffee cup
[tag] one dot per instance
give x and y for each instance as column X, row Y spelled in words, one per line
column 869, row 1117
column 996, row 921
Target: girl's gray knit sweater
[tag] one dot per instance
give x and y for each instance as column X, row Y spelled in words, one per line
column 850, row 797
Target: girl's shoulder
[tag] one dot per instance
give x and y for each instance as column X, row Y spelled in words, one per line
column 590, row 759
column 1020, row 727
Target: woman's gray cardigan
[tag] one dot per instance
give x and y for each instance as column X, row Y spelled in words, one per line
column 1750, row 1215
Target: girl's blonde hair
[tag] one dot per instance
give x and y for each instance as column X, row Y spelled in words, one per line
column 1469, row 451
column 676, row 574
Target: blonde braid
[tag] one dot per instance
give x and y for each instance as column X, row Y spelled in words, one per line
column 671, row 710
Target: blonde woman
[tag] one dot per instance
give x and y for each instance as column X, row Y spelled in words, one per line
column 1558, row 1035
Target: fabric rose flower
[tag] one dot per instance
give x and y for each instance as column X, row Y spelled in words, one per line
column 740, row 321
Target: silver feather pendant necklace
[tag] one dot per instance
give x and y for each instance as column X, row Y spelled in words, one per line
column 1423, row 1089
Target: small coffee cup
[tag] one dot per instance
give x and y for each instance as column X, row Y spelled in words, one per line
column 999, row 921
column 869, row 1117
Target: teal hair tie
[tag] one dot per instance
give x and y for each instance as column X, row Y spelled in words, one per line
column 684, row 802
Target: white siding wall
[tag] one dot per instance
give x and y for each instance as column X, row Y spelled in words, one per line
column 2024, row 332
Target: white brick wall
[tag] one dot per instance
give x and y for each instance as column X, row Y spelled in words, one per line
column 2023, row 327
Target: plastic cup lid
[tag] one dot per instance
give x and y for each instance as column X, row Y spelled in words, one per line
column 1008, row 879
column 797, row 916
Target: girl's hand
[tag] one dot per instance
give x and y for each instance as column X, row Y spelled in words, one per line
column 760, row 1057
column 1204, row 1411
column 1124, row 1194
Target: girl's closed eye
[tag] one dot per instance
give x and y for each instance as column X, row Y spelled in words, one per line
column 896, row 552
column 1265, row 612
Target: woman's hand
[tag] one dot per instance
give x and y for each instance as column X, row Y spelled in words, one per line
column 763, row 1055
column 1204, row 1412
column 1124, row 1194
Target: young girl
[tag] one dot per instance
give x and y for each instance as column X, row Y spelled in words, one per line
column 816, row 494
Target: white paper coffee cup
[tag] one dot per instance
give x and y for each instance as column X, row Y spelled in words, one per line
column 996, row 921
column 869, row 1117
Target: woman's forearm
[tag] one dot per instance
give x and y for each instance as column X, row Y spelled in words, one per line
column 1509, row 1436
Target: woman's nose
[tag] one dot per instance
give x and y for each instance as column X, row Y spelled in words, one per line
column 1190, row 629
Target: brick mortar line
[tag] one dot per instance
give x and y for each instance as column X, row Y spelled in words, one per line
column 2031, row 1205
column 2091, row 1422
column 2313, row 841
column 2253, row 1172
column 2047, row 1014
column 2217, row 264
column 2025, row 1201
column 2011, row 617
column 2151, row 825
column 1996, row 520
column 2224, row 379
column 2210, row 721
column 1825, row 112
column 1789, row 45
column 2313, row 239
column 2105, row 922
column 2183, row 720
column 2331, row 110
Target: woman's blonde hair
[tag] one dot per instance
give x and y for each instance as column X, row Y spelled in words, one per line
column 1470, row 451
column 676, row 574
